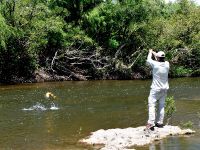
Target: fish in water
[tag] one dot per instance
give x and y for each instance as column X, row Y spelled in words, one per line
column 50, row 95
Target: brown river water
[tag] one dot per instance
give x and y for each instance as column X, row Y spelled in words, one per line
column 29, row 121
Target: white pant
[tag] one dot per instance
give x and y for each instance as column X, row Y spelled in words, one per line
column 154, row 96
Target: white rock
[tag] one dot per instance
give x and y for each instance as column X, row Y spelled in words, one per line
column 121, row 139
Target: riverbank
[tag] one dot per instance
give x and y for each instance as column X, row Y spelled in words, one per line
column 42, row 75
column 91, row 43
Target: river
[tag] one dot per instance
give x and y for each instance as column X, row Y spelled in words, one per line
column 28, row 122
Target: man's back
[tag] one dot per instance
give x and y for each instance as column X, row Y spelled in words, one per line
column 160, row 73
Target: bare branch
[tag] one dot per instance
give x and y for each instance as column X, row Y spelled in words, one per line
column 53, row 60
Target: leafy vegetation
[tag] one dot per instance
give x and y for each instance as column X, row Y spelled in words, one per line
column 170, row 108
column 101, row 39
column 188, row 124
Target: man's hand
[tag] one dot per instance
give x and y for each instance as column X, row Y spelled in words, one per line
column 150, row 50
column 154, row 53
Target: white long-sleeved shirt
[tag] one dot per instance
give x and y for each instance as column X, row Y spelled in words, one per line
column 160, row 73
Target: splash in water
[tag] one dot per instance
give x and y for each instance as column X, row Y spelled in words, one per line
column 41, row 107
column 38, row 106
column 53, row 106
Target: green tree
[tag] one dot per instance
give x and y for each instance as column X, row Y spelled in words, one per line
column 74, row 8
column 101, row 38
column 34, row 31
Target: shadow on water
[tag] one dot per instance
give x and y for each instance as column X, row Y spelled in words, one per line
column 29, row 121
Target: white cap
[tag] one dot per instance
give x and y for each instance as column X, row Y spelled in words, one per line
column 160, row 54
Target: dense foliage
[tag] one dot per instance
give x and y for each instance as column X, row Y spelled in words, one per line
column 96, row 39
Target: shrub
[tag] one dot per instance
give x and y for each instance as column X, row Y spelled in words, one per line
column 170, row 108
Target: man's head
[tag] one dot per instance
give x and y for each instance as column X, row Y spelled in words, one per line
column 160, row 56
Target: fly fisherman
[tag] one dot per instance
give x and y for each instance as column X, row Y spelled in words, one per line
column 159, row 87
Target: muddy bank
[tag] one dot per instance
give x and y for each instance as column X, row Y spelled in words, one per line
column 42, row 75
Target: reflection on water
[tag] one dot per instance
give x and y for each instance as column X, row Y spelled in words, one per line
column 29, row 121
